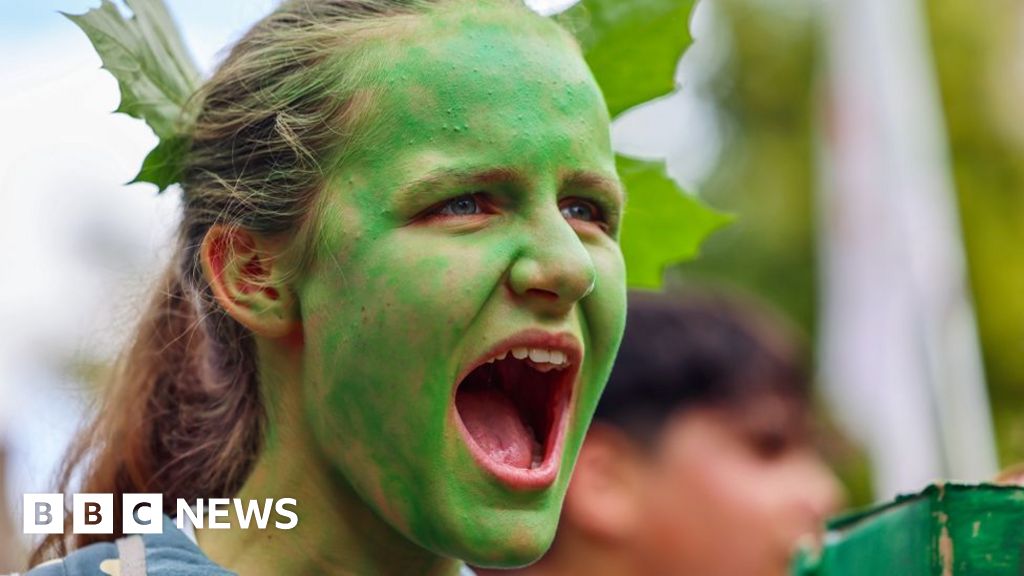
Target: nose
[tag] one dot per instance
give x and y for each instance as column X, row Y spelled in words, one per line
column 553, row 269
column 824, row 496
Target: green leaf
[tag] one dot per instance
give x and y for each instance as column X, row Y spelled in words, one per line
column 633, row 49
column 632, row 46
column 663, row 225
column 154, row 72
column 162, row 165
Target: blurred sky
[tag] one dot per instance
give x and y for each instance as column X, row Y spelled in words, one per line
column 82, row 247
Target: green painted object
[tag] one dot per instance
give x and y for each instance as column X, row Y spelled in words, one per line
column 945, row 530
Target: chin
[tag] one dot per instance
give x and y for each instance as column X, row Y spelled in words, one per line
column 510, row 545
column 491, row 537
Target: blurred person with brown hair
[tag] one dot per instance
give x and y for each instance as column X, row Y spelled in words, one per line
column 699, row 461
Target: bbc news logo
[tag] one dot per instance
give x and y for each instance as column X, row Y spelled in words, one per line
column 143, row 513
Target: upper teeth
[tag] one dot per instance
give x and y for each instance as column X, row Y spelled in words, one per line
column 536, row 355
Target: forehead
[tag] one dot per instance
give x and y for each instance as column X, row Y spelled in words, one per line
column 477, row 79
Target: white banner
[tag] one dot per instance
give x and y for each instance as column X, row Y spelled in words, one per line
column 900, row 356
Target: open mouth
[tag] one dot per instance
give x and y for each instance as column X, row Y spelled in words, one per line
column 513, row 409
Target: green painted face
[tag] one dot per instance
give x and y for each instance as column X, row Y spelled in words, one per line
column 478, row 219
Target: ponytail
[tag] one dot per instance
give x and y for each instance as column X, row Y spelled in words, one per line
column 182, row 415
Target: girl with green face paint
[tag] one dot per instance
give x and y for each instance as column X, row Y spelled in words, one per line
column 397, row 295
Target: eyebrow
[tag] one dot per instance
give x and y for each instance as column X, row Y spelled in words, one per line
column 503, row 175
column 593, row 180
column 447, row 176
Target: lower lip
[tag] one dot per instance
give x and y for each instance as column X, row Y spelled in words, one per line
column 524, row 479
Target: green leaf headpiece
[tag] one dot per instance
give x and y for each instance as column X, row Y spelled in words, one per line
column 155, row 74
column 633, row 49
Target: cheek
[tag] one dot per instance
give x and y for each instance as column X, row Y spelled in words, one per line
column 605, row 309
column 603, row 320
column 405, row 291
column 401, row 297
column 711, row 512
column 747, row 510
column 743, row 491
column 384, row 423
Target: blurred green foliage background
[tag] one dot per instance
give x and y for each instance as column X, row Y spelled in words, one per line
column 979, row 50
column 769, row 96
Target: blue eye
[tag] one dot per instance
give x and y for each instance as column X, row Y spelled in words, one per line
column 467, row 205
column 581, row 210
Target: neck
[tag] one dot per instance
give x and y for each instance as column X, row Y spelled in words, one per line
column 337, row 533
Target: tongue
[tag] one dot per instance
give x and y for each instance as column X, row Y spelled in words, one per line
column 493, row 421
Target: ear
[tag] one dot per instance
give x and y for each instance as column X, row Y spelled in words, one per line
column 246, row 276
column 607, row 483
